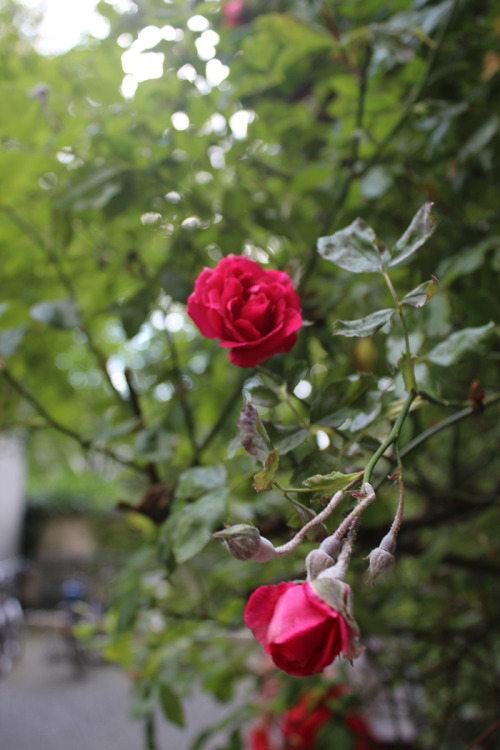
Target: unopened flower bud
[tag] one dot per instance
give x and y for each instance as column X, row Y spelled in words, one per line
column 244, row 542
column 316, row 562
column 381, row 559
column 331, row 546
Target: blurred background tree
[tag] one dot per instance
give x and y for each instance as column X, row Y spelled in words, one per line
column 260, row 127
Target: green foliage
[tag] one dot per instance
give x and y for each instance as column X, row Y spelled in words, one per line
column 110, row 212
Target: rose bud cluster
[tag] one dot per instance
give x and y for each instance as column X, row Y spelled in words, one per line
column 254, row 312
column 304, row 625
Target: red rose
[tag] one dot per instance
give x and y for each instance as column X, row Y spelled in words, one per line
column 255, row 312
column 300, row 726
column 303, row 626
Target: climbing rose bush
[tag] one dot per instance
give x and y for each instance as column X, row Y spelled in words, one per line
column 254, row 312
column 299, row 628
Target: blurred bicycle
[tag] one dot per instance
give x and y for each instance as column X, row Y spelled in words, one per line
column 11, row 614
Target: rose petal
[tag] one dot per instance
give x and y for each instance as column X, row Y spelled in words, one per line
column 294, row 615
column 260, row 608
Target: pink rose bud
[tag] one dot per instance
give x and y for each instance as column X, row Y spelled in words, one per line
column 244, row 542
column 303, row 626
column 254, row 312
column 381, row 559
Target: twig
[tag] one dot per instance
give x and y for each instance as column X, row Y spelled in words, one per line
column 490, row 730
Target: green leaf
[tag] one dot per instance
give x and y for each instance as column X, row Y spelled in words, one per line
column 287, row 437
column 466, row 261
column 60, row 313
column 201, row 479
column 480, row 139
column 330, row 483
column 459, row 343
column 155, row 444
column 422, row 227
column 355, row 248
column 263, row 480
column 376, row 182
column 422, row 294
column 264, row 396
column 95, row 188
column 197, row 522
column 10, row 338
column 171, row 705
column 366, row 326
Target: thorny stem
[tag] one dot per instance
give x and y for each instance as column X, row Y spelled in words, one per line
column 391, row 438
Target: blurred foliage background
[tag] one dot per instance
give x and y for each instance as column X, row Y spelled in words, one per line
column 264, row 129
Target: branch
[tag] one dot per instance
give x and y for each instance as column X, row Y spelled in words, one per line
column 67, row 283
column 150, row 467
column 490, row 730
column 85, row 443
column 448, row 422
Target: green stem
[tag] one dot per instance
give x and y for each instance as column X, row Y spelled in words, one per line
column 391, row 438
column 407, row 369
column 150, row 732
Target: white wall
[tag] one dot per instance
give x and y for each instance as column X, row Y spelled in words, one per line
column 12, row 476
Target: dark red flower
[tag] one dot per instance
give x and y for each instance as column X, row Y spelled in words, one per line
column 299, row 728
column 255, row 312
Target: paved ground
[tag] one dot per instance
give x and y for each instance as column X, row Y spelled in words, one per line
column 44, row 707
